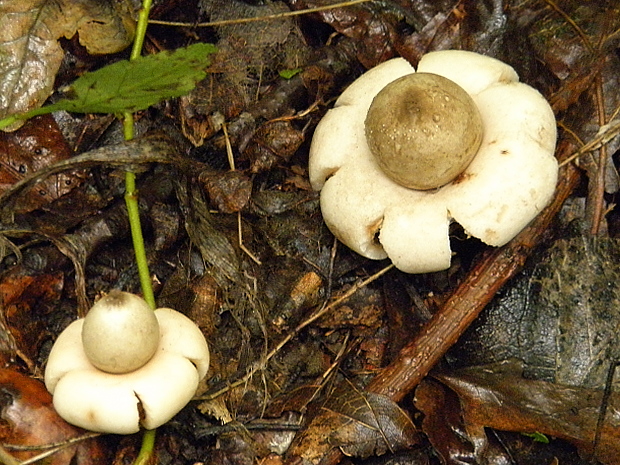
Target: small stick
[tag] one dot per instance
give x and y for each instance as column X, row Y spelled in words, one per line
column 7, row 459
column 242, row 245
column 229, row 152
column 225, row 22
column 596, row 186
column 231, row 164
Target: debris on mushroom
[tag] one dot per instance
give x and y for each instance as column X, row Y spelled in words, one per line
column 125, row 366
column 403, row 154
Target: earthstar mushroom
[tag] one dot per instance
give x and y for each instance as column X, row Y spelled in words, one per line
column 509, row 179
column 151, row 392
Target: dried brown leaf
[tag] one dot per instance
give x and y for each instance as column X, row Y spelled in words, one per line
column 29, row 419
column 155, row 148
column 26, row 297
column 371, row 423
column 39, row 143
column 272, row 143
column 30, row 54
column 357, row 422
column 374, row 31
column 443, row 423
column 229, row 191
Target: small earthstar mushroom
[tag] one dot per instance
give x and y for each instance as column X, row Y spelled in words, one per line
column 125, row 366
column 403, row 154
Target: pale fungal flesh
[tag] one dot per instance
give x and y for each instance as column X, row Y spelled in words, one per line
column 122, row 403
column 509, row 181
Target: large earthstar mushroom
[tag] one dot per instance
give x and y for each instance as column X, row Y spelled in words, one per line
column 403, row 154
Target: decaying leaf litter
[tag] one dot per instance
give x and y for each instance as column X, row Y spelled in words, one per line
column 237, row 243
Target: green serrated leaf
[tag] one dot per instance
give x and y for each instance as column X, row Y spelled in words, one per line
column 129, row 86
column 138, row 84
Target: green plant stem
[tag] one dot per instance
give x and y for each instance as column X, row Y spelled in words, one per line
column 25, row 116
column 128, row 125
column 131, row 195
column 143, row 22
column 146, row 450
column 8, row 121
column 133, row 212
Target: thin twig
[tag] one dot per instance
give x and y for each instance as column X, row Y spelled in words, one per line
column 605, row 134
column 242, row 246
column 604, row 407
column 229, row 151
column 41, row 456
column 226, row 22
column 49, row 449
column 53, row 445
column 231, row 164
column 345, row 349
column 6, row 458
column 597, row 185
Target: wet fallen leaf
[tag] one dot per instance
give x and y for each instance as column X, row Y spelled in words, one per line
column 39, row 143
column 154, row 148
column 448, row 433
column 497, row 396
column 437, row 34
column 443, row 423
column 561, row 317
column 28, row 419
column 26, row 297
column 359, row 423
column 373, row 30
column 29, row 47
column 371, row 424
